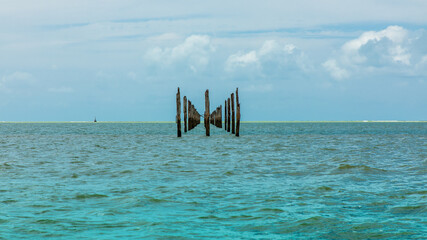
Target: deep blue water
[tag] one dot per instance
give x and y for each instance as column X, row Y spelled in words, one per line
column 276, row 181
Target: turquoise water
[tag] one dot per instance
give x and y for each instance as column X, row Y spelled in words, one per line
column 277, row 181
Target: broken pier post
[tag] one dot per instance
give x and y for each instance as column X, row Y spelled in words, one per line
column 228, row 115
column 185, row 113
column 178, row 113
column 207, row 113
column 237, row 113
column 233, row 115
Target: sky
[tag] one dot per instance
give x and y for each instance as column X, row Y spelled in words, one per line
column 122, row 60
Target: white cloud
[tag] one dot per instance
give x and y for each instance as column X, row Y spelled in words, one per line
column 194, row 52
column 61, row 90
column 241, row 60
column 262, row 88
column 103, row 75
column 268, row 47
column 396, row 34
column 394, row 37
column 272, row 58
column 16, row 80
column 131, row 75
column 336, row 72
column 392, row 49
column 164, row 37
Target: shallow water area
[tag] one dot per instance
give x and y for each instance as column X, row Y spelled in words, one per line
column 276, row 181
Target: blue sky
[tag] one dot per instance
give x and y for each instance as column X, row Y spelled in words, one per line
column 292, row 60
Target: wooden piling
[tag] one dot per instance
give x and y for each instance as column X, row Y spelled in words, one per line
column 185, row 113
column 237, row 113
column 189, row 115
column 228, row 115
column 225, row 115
column 233, row 115
column 178, row 113
column 213, row 117
column 207, row 113
column 197, row 118
column 220, row 117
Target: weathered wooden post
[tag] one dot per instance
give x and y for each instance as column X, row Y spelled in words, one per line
column 189, row 115
column 213, row 117
column 228, row 115
column 220, row 117
column 233, row 115
column 198, row 118
column 207, row 113
column 237, row 113
column 185, row 113
column 178, row 113
column 225, row 115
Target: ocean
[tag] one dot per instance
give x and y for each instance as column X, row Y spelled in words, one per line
column 331, row 180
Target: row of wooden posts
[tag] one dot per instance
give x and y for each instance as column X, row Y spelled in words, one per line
column 192, row 119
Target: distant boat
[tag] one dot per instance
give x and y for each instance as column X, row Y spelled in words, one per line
column 94, row 120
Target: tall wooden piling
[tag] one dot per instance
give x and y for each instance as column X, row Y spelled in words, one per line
column 213, row 117
column 225, row 115
column 228, row 115
column 185, row 113
column 233, row 115
column 207, row 113
column 237, row 113
column 220, row 117
column 178, row 113
column 190, row 116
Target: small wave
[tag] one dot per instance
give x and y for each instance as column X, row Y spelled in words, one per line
column 5, row 165
column 126, row 171
column 271, row 210
column 417, row 193
column 363, row 168
column 324, row 189
column 421, row 209
column 47, row 221
column 209, row 217
column 88, row 196
column 154, row 200
column 99, row 146
column 329, row 149
column 310, row 224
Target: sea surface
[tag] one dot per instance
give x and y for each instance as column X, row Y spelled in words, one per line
column 275, row 181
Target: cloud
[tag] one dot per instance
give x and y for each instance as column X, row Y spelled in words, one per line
column 386, row 43
column 241, row 60
column 193, row 53
column 391, row 49
column 261, row 88
column 336, row 72
column 61, row 90
column 131, row 75
column 17, row 80
column 271, row 60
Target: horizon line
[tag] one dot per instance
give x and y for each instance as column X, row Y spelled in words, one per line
column 266, row 121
